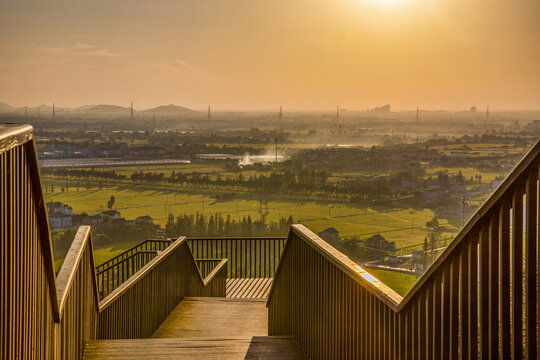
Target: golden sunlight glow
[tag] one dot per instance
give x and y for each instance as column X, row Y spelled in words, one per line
column 391, row 2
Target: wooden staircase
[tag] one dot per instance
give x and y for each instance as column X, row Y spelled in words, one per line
column 205, row 328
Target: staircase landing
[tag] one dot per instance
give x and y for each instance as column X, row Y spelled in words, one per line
column 215, row 317
column 257, row 347
column 205, row 328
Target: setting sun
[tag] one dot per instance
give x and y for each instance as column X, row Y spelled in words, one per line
column 390, row 2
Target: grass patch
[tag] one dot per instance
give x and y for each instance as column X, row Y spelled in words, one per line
column 399, row 282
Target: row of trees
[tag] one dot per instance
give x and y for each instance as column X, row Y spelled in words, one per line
column 297, row 182
column 108, row 234
column 217, row 225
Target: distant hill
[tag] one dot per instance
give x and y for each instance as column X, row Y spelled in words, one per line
column 168, row 110
column 101, row 110
column 6, row 108
column 107, row 109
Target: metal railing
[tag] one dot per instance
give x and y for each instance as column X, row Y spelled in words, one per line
column 206, row 266
column 147, row 245
column 111, row 277
column 248, row 257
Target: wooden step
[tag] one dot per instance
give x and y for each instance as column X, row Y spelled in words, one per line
column 257, row 347
column 207, row 317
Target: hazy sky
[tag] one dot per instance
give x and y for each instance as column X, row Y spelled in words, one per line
column 259, row 54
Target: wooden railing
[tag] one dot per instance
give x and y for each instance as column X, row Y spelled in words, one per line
column 137, row 307
column 147, row 245
column 206, row 266
column 248, row 257
column 77, row 298
column 43, row 317
column 26, row 261
column 111, row 277
column 478, row 300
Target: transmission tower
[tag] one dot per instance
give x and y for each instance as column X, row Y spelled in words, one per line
column 263, row 210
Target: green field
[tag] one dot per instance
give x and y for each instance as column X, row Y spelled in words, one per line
column 399, row 282
column 404, row 226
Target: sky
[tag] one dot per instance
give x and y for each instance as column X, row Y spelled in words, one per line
column 260, row 54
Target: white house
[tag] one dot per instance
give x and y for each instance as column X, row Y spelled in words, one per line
column 60, row 221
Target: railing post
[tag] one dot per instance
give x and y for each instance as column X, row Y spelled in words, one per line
column 530, row 265
column 464, row 287
column 493, row 287
column 517, row 273
column 422, row 319
column 483, row 290
column 472, row 269
column 504, row 278
column 454, row 307
column 446, row 315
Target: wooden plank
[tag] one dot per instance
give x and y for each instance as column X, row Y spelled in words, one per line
column 257, row 347
column 213, row 317
column 247, row 288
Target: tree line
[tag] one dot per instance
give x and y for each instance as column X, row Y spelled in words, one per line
column 217, row 225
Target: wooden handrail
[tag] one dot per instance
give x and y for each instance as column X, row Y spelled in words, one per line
column 518, row 175
column 222, row 265
column 346, row 265
column 78, row 299
column 49, row 317
column 478, row 300
column 27, row 273
column 70, row 266
column 160, row 285
column 140, row 274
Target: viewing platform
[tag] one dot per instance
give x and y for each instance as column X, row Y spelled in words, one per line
column 263, row 298
column 205, row 328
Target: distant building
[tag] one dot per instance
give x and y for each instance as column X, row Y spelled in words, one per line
column 381, row 109
column 79, row 219
column 379, row 242
column 534, row 125
column 118, row 221
column 60, row 221
column 113, row 214
column 144, row 218
column 330, row 235
column 60, row 215
column 58, row 207
column 95, row 220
